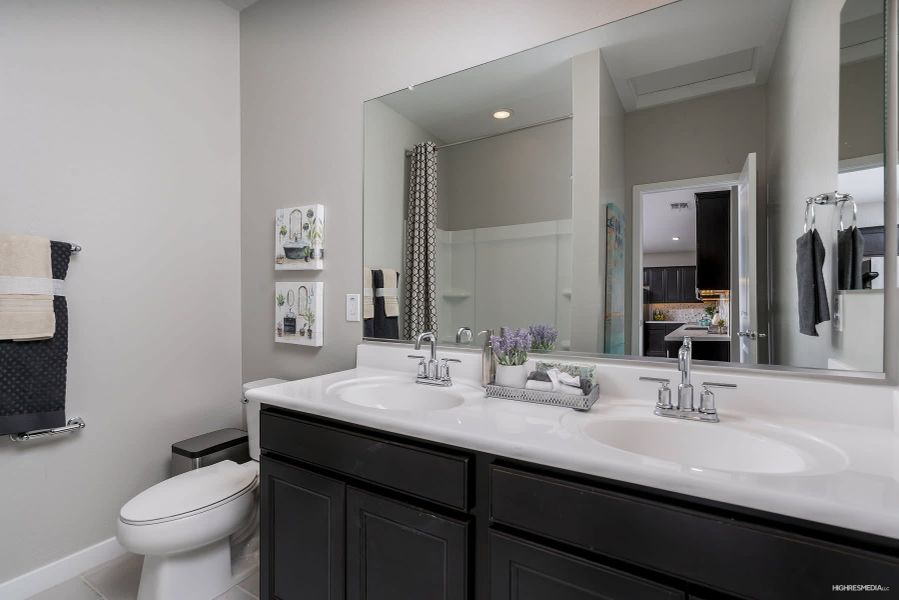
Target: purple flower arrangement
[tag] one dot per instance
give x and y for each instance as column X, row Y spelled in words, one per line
column 543, row 337
column 511, row 347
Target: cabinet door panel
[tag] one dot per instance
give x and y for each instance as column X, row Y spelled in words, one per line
column 656, row 285
column 397, row 551
column 302, row 534
column 655, row 339
column 523, row 570
column 672, row 284
column 713, row 240
column 687, row 284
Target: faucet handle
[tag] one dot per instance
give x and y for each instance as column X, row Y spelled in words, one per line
column 712, row 384
column 707, row 399
column 444, row 367
column 422, row 370
column 664, row 399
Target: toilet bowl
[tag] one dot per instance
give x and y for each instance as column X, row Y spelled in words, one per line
column 183, row 526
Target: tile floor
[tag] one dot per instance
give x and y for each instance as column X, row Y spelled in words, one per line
column 118, row 580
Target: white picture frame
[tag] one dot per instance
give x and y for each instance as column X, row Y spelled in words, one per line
column 299, row 308
column 300, row 238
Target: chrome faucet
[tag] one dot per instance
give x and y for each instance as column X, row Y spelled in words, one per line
column 684, row 363
column 431, row 371
column 463, row 335
column 684, row 408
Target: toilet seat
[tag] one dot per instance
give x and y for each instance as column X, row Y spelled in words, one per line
column 190, row 494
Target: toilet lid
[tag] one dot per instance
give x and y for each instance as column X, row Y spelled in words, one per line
column 189, row 493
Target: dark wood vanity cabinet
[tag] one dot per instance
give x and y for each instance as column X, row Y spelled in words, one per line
column 523, row 570
column 351, row 512
column 399, row 550
column 303, row 523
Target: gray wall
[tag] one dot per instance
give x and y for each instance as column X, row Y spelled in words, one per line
column 120, row 126
column 802, row 161
column 705, row 136
column 710, row 135
column 861, row 108
column 387, row 137
column 669, row 259
column 520, row 177
column 306, row 69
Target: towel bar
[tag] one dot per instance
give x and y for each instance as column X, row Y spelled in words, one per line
column 73, row 424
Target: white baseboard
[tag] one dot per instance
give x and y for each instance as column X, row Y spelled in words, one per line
column 60, row 571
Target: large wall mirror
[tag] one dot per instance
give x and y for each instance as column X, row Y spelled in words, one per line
column 710, row 168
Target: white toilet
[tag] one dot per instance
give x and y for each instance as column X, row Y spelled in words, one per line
column 184, row 525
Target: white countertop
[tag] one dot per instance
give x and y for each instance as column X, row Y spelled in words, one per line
column 860, row 493
column 697, row 335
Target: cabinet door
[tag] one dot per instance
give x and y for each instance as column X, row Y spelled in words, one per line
column 302, row 534
column 521, row 570
column 656, row 285
column 672, row 284
column 655, row 339
column 397, row 551
column 687, row 284
column 713, row 240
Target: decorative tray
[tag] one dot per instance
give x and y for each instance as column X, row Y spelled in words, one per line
column 582, row 403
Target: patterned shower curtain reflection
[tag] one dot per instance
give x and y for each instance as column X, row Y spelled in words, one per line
column 420, row 282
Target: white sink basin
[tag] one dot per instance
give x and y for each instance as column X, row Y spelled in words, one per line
column 391, row 393
column 717, row 446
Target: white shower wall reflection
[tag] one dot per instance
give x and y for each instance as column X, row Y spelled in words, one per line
column 511, row 273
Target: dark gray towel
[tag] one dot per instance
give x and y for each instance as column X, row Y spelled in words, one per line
column 850, row 254
column 538, row 376
column 33, row 374
column 813, row 305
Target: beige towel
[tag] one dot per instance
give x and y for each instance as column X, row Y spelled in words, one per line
column 391, row 302
column 368, row 298
column 25, row 258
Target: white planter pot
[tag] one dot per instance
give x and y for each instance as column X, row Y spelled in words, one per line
column 511, row 376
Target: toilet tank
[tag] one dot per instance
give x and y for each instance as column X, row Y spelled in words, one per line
column 251, row 413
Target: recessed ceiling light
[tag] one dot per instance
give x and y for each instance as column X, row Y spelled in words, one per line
column 503, row 113
column 675, row 239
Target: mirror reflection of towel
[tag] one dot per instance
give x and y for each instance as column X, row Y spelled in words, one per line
column 813, row 306
column 391, row 302
column 850, row 254
column 385, row 327
column 368, row 298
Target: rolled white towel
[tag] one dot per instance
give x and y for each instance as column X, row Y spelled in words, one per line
column 539, row 386
column 566, row 379
column 570, row 391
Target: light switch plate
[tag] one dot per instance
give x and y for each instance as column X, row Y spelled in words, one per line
column 353, row 310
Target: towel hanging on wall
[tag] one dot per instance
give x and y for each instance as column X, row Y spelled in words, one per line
column 385, row 325
column 26, row 288
column 33, row 373
column 813, row 305
column 850, row 255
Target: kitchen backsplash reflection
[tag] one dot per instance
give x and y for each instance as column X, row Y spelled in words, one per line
column 681, row 313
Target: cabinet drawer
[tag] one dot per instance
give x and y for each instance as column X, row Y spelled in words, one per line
column 698, row 547
column 438, row 476
column 522, row 570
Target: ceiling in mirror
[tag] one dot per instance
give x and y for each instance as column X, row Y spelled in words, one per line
column 650, row 182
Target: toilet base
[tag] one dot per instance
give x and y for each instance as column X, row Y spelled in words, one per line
column 200, row 574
